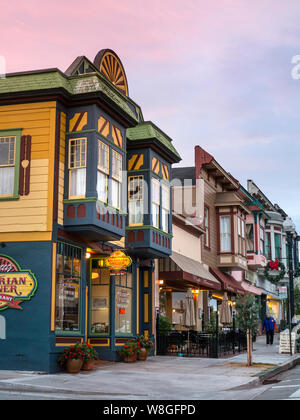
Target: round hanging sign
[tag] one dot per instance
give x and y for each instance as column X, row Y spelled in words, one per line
column 118, row 260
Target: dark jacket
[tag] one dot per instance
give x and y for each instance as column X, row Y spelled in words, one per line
column 268, row 324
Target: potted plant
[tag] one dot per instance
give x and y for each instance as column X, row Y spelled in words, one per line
column 129, row 351
column 89, row 356
column 146, row 345
column 72, row 358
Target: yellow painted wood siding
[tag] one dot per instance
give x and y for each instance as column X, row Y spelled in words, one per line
column 61, row 169
column 33, row 212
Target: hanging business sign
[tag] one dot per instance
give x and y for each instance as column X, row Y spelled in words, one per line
column 118, row 260
column 16, row 285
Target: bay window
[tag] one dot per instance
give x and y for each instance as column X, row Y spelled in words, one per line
column 268, row 246
column 136, row 200
column 225, row 234
column 116, row 181
column 7, row 165
column 262, row 240
column 155, row 202
column 277, row 246
column 241, row 236
column 103, row 171
column 250, row 237
column 77, row 167
column 165, row 207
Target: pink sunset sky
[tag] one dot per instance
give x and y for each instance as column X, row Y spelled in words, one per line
column 211, row 72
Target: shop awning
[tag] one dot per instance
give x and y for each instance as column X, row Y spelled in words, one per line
column 228, row 282
column 192, row 271
column 251, row 288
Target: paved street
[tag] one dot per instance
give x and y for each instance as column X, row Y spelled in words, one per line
column 287, row 387
column 159, row 378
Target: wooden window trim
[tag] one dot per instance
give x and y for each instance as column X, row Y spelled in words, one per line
column 82, row 166
column 16, row 133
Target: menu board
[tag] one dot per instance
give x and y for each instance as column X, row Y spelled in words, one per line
column 284, row 345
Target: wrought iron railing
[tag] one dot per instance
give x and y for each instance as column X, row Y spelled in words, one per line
column 201, row 344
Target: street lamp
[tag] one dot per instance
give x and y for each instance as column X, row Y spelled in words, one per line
column 290, row 230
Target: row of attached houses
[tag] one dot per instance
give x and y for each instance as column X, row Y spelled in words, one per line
column 98, row 234
column 224, row 237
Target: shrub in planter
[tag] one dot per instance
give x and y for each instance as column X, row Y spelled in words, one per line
column 129, row 351
column 145, row 343
column 89, row 356
column 77, row 356
column 72, row 358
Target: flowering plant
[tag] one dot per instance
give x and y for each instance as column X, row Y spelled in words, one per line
column 89, row 353
column 72, row 352
column 83, row 351
column 145, row 342
column 129, row 348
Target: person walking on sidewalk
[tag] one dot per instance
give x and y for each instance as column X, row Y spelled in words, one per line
column 269, row 326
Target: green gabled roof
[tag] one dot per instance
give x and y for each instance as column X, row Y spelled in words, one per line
column 74, row 85
column 149, row 131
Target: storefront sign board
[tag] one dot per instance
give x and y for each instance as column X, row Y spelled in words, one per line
column 16, row 284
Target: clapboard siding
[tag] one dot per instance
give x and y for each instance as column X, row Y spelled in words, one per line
column 32, row 212
column 61, row 169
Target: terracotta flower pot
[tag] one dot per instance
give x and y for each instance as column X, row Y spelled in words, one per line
column 73, row 365
column 131, row 358
column 88, row 365
column 143, row 354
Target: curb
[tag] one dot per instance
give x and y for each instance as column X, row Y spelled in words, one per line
column 50, row 390
column 278, row 369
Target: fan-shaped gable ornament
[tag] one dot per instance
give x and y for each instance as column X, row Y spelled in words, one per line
column 111, row 67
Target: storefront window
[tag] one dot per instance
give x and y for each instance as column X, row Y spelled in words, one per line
column 68, row 276
column 123, row 304
column 100, row 298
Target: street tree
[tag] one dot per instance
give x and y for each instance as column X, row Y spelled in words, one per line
column 247, row 319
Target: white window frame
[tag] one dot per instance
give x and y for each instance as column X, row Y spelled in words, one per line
column 138, row 182
column 165, row 207
column 155, row 202
column 225, row 236
column 8, row 187
column 116, row 178
column 78, row 165
column 103, row 169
